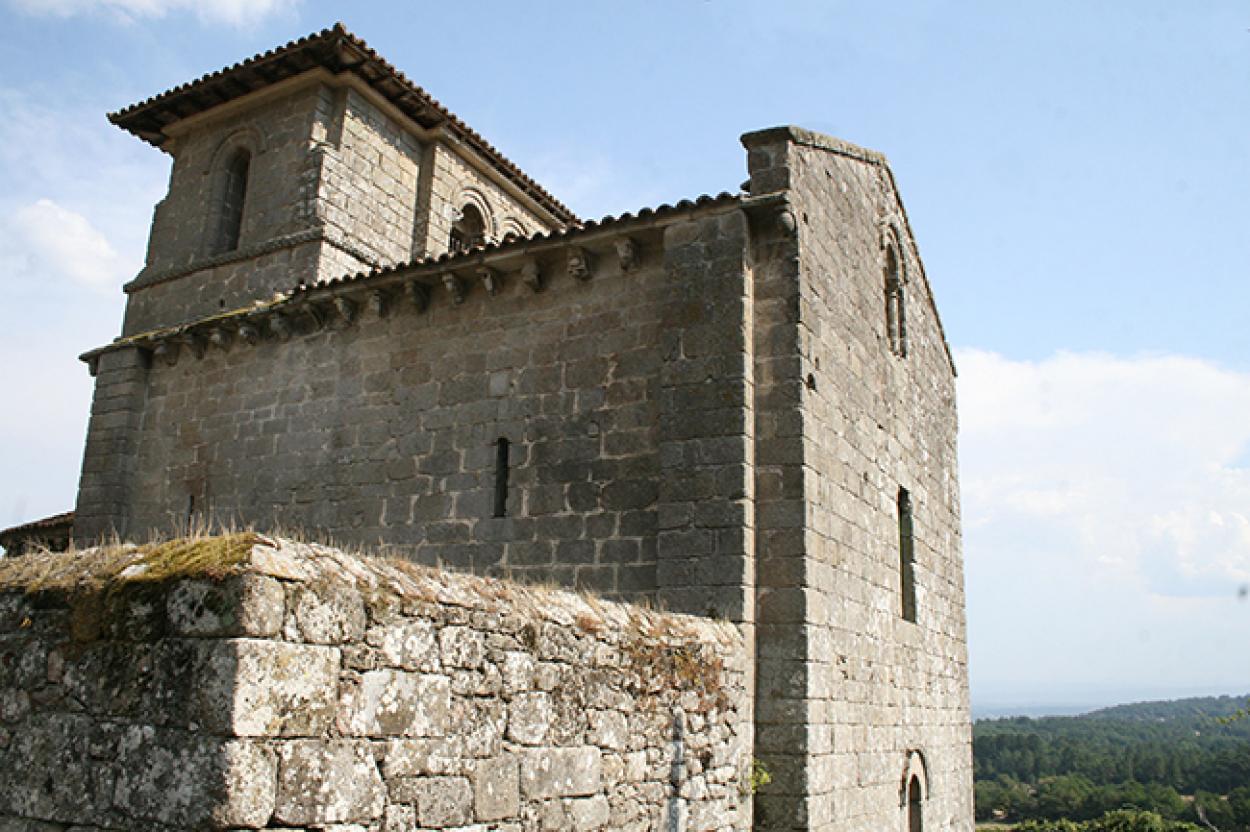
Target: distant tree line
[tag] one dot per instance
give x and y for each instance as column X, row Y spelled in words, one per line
column 1181, row 761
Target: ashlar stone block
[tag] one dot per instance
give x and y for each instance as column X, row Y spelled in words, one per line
column 561, row 772
column 395, row 703
column 323, row 782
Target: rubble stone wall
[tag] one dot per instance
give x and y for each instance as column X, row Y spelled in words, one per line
column 316, row 690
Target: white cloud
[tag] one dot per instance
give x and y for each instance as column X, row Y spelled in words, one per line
column 1107, row 521
column 54, row 241
column 238, row 13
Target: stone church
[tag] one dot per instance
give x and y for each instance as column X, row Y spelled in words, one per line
column 360, row 321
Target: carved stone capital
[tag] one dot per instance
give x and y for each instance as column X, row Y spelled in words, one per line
column 787, row 223
column 418, row 295
column 377, row 302
column 627, row 253
column 220, row 337
column 532, row 274
column 250, row 333
column 167, row 351
column 580, row 264
column 346, row 309
column 491, row 280
column 196, row 343
column 280, row 326
column 455, row 286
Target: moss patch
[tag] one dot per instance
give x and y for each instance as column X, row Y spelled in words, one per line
column 107, row 567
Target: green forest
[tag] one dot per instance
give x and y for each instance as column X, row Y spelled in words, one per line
column 1150, row 767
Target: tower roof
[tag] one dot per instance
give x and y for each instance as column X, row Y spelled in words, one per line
column 337, row 50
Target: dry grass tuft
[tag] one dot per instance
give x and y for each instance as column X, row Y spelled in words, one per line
column 86, row 570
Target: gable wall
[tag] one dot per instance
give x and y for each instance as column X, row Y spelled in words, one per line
column 882, row 687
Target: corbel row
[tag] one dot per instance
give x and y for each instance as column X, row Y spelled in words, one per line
column 311, row 313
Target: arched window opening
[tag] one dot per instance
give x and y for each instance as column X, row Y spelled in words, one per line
column 468, row 231
column 915, row 807
column 233, row 195
column 895, row 311
column 907, row 556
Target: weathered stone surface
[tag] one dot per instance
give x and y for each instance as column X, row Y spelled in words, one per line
column 411, row 645
column 219, row 732
column 394, row 703
column 323, row 782
column 245, row 605
column 273, row 689
column 529, row 717
column 560, row 772
column 445, row 802
column 249, row 788
column 331, row 615
column 496, row 788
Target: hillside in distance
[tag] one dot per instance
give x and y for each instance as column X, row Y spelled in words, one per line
column 1174, row 758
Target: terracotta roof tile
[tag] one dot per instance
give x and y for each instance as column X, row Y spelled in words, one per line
column 609, row 221
column 337, row 50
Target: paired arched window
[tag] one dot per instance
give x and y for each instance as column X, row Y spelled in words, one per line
column 895, row 300
column 231, row 199
column 467, row 231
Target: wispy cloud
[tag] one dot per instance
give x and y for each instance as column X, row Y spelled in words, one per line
column 57, row 242
column 1107, row 521
column 237, row 13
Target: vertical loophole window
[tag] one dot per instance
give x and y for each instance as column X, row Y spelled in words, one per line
column 906, row 556
column 233, row 194
column 895, row 308
column 501, row 477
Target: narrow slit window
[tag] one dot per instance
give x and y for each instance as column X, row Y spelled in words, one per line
column 233, row 194
column 907, row 556
column 501, row 477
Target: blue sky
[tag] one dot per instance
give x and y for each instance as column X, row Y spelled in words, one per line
column 1077, row 175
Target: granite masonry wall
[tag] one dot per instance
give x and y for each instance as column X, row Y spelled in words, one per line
column 337, row 184
column 310, row 689
column 620, row 395
column 853, row 698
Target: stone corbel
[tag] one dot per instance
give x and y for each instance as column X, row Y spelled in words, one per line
column 220, row 337
column 455, row 286
column 491, row 281
column 532, row 275
column 280, row 326
column 580, row 264
column 167, row 351
column 250, row 333
column 93, row 365
column 377, row 302
column 627, row 253
column 346, row 309
column 418, row 295
column 787, row 223
column 196, row 342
